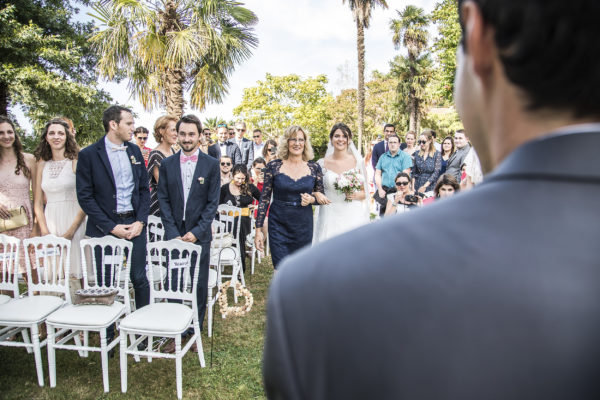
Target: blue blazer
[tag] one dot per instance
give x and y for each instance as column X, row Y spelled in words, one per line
column 378, row 150
column 203, row 198
column 96, row 189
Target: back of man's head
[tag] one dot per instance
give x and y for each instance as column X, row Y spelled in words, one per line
column 549, row 50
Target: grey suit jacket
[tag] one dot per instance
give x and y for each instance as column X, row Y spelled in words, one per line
column 247, row 150
column 233, row 151
column 494, row 294
column 456, row 160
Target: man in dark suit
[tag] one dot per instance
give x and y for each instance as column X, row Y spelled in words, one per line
column 502, row 299
column 225, row 146
column 382, row 147
column 112, row 189
column 188, row 195
column 245, row 145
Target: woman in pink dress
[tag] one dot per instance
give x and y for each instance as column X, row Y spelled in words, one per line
column 16, row 172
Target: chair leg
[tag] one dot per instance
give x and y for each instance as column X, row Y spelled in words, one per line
column 37, row 353
column 25, row 333
column 253, row 259
column 210, row 306
column 104, row 358
column 199, row 343
column 149, row 347
column 77, row 340
column 86, row 340
column 123, row 362
column 178, row 357
column 51, row 355
column 132, row 339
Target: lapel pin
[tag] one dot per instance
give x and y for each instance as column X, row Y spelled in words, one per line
column 201, row 180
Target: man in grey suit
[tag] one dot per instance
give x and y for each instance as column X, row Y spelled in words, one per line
column 457, row 159
column 495, row 293
column 245, row 145
column 225, row 147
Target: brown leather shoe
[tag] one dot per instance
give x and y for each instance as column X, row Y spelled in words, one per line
column 169, row 348
column 194, row 348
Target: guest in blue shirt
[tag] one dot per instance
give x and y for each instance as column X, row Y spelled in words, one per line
column 388, row 166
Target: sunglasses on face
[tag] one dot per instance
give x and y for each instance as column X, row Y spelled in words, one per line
column 142, row 137
column 401, row 183
column 422, row 141
column 225, row 164
column 240, row 130
column 256, row 136
column 272, row 150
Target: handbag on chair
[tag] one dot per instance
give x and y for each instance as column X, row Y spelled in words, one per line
column 18, row 218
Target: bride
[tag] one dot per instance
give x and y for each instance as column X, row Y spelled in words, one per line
column 336, row 214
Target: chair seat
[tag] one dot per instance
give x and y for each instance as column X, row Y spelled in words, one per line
column 159, row 317
column 29, row 309
column 212, row 278
column 4, row 298
column 87, row 315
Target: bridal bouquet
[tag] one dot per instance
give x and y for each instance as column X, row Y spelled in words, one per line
column 349, row 182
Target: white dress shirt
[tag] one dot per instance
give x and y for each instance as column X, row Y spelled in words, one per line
column 187, row 177
column 122, row 172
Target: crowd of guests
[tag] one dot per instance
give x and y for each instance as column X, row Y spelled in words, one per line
column 110, row 187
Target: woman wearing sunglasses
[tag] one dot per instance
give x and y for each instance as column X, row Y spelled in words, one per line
column 404, row 198
column 269, row 152
column 225, row 165
column 427, row 164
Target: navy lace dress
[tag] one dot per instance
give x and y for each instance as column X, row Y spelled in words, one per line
column 426, row 170
column 290, row 224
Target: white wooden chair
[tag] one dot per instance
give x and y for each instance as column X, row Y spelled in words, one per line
column 166, row 319
column 221, row 255
column 254, row 253
column 155, row 233
column 52, row 260
column 9, row 263
column 109, row 257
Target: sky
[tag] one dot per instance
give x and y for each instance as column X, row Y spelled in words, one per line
column 304, row 37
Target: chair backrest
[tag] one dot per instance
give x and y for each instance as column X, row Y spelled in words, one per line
column 9, row 264
column 181, row 259
column 110, row 263
column 155, row 230
column 231, row 216
column 51, row 256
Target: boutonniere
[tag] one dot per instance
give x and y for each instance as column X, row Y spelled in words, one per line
column 134, row 161
column 201, row 180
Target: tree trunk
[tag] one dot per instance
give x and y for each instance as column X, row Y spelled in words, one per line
column 174, row 101
column 3, row 98
column 360, row 44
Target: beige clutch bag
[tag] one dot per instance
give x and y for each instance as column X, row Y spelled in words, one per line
column 18, row 219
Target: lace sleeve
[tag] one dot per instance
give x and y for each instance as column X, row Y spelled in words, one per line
column 318, row 174
column 265, row 197
column 437, row 167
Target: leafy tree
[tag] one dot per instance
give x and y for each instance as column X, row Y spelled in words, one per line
column 46, row 66
column 213, row 122
column 414, row 71
column 167, row 47
column 445, row 16
column 361, row 9
column 281, row 101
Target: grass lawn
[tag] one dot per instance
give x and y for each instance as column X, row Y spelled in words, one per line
column 237, row 345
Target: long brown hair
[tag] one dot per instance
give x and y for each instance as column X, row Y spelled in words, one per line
column 451, row 142
column 241, row 169
column 431, row 149
column 18, row 149
column 44, row 151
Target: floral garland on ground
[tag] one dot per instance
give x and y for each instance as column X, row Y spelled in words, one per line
column 236, row 311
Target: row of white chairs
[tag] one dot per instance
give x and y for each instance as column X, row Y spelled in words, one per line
column 48, row 301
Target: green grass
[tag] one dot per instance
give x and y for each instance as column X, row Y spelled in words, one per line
column 237, row 346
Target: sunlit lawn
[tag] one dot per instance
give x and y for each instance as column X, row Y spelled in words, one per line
column 235, row 373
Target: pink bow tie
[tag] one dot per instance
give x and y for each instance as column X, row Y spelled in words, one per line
column 192, row 158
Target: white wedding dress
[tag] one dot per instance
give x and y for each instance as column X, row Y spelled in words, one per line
column 340, row 215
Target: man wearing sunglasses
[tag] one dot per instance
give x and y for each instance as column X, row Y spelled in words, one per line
column 257, row 146
column 141, row 138
column 494, row 293
column 244, row 144
column 224, row 146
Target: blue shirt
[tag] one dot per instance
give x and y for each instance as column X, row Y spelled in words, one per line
column 390, row 166
column 121, row 168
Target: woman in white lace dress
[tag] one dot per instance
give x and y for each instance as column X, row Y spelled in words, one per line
column 341, row 212
column 57, row 160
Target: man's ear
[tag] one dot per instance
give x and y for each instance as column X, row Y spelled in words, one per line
column 479, row 40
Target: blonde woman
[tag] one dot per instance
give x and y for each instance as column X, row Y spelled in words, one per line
column 294, row 181
column 166, row 136
column 427, row 164
column 411, row 145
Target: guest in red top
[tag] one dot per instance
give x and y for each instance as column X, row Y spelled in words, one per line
column 141, row 138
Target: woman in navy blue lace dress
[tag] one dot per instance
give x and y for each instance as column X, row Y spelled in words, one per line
column 427, row 164
column 295, row 183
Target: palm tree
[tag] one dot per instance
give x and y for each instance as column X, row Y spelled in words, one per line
column 213, row 122
column 168, row 47
column 414, row 71
column 361, row 9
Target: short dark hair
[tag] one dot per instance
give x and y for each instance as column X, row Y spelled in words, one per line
column 257, row 130
column 140, row 129
column 259, row 160
column 446, row 179
column 549, row 50
column 113, row 113
column 189, row 119
column 344, row 128
column 389, row 126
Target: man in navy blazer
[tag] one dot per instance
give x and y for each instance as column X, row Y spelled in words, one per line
column 380, row 148
column 112, row 189
column 188, row 195
column 224, row 144
column 502, row 299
